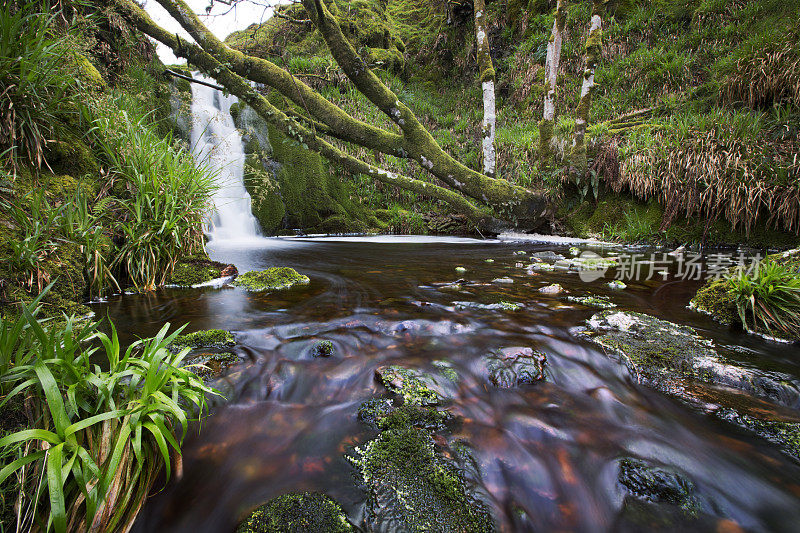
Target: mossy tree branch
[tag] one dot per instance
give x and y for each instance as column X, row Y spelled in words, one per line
column 511, row 201
column 241, row 88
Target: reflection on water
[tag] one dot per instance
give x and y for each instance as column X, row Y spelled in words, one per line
column 548, row 454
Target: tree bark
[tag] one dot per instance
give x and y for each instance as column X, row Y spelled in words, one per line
column 550, row 76
column 578, row 161
column 487, row 81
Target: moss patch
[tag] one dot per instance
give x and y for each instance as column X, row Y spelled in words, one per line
column 306, row 512
column 411, row 485
column 274, row 278
column 322, row 349
column 416, row 387
column 205, row 339
column 713, row 298
column 195, row 270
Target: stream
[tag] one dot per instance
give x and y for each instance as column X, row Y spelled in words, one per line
column 547, row 454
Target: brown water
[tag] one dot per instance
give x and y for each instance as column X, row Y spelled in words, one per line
column 548, row 454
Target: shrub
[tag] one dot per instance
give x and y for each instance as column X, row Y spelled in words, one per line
column 33, row 89
column 102, row 431
column 170, row 194
column 769, row 299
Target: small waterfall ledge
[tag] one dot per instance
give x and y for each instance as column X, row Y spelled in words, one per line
column 216, row 142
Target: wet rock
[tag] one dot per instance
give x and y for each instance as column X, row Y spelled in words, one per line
column 322, row 349
column 411, row 485
column 210, row 365
column 372, row 411
column 461, row 270
column 415, row 386
column 488, row 260
column 209, row 338
column 555, row 288
column 500, row 306
column 617, row 285
column 574, row 251
column 540, row 267
column 274, row 278
column 520, row 252
column 658, row 485
column 197, row 270
column 502, row 280
column 306, row 512
column 512, row 367
column 598, row 302
column 548, row 256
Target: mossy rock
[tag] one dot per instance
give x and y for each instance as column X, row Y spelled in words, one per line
column 322, row 349
column 194, row 271
column 306, row 512
column 598, row 302
column 274, row 278
column 85, row 72
column 210, row 365
column 72, row 157
column 412, row 486
column 514, row 367
column 415, row 386
column 714, row 299
column 658, row 485
column 208, row 338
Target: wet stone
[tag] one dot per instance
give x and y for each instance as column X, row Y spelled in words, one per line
column 598, row 302
column 555, row 288
column 516, row 366
column 657, row 485
column 322, row 349
column 274, row 278
column 502, row 280
column 210, row 365
column 372, row 411
column 548, row 256
column 415, row 386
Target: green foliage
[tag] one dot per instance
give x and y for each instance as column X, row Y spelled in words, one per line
column 34, row 89
column 769, row 299
column 169, row 195
column 108, row 428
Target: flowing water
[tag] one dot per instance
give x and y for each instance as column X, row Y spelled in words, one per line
column 548, row 454
column 216, row 142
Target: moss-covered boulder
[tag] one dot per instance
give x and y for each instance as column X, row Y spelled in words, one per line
column 271, row 279
column 209, row 338
column 322, row 349
column 411, row 484
column 415, row 386
column 714, row 299
column 210, row 365
column 305, row 512
column 196, row 270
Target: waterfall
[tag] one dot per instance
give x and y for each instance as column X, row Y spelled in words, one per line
column 216, row 141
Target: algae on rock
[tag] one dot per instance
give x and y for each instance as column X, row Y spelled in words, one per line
column 273, row 278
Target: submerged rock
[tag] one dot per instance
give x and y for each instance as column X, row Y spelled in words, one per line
column 502, row 280
column 599, row 302
column 274, row 278
column 512, row 367
column 322, row 349
column 411, row 485
column 657, row 485
column 306, row 512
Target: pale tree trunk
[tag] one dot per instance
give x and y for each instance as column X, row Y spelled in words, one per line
column 578, row 162
column 550, row 76
column 487, row 80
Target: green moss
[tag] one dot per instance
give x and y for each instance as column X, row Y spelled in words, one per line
column 598, row 302
column 85, row 72
column 323, row 349
column 372, row 411
column 414, row 386
column 713, row 298
column 274, row 278
column 193, row 271
column 410, row 483
column 205, row 339
column 306, row 512
column 70, row 156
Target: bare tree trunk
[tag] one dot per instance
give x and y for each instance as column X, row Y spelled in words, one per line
column 487, row 81
column 578, row 162
column 550, row 76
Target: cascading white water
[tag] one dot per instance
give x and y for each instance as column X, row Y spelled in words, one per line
column 217, row 142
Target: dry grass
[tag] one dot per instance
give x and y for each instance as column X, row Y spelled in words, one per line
column 769, row 74
column 717, row 174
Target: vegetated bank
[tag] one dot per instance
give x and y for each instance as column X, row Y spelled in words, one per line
column 693, row 129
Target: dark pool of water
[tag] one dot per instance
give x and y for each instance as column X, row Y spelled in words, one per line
column 548, row 454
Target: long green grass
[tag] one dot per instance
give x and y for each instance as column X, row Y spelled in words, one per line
column 101, row 432
column 33, row 87
column 768, row 300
